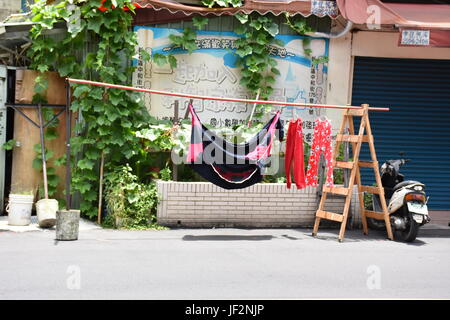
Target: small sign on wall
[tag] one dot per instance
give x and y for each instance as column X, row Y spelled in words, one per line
column 411, row 37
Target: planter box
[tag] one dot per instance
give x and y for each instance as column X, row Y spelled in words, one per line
column 264, row 205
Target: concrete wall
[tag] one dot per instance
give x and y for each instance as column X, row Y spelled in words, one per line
column 202, row 204
column 8, row 7
column 365, row 44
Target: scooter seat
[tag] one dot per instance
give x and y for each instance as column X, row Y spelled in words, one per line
column 405, row 183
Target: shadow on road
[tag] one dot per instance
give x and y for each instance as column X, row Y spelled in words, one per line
column 227, row 238
column 434, row 233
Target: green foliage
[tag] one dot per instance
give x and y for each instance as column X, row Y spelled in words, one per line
column 300, row 25
column 319, row 60
column 339, row 173
column 166, row 174
column 186, row 41
column 200, row 22
column 130, row 204
column 222, row 3
column 9, row 145
column 110, row 116
column 253, row 51
column 368, row 201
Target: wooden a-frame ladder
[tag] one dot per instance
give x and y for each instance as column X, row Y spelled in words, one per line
column 355, row 175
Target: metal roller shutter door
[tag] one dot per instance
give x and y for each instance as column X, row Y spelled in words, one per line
column 418, row 93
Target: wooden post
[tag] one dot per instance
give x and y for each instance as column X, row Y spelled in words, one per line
column 68, row 135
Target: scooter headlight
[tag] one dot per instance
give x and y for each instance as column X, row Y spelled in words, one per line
column 418, row 188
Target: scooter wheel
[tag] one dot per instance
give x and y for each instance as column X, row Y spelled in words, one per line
column 410, row 234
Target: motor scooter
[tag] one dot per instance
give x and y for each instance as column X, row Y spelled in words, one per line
column 406, row 201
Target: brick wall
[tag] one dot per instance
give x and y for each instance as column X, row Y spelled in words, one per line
column 202, row 204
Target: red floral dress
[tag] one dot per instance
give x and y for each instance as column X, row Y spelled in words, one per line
column 322, row 142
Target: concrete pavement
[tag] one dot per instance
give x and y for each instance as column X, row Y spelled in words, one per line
column 223, row 264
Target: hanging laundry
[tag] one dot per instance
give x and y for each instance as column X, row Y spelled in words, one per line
column 322, row 142
column 294, row 154
column 229, row 165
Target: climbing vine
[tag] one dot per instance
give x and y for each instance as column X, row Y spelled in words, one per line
column 186, row 41
column 253, row 52
column 110, row 115
column 300, row 25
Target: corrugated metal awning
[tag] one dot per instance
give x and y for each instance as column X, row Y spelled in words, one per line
column 277, row 7
column 419, row 24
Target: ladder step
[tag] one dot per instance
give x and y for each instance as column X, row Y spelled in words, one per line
column 371, row 189
column 355, row 112
column 347, row 138
column 344, row 164
column 353, row 138
column 374, row 214
column 330, row 215
column 336, row 190
column 368, row 164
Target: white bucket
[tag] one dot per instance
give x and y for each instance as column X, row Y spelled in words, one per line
column 19, row 209
column 46, row 212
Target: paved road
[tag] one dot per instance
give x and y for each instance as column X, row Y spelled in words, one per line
column 223, row 264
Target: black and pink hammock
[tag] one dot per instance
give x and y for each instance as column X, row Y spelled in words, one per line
column 229, row 165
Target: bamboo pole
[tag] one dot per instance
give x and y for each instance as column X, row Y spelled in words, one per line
column 193, row 96
column 44, row 161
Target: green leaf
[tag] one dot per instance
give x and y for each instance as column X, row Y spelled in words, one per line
column 94, row 24
column 85, row 164
column 159, row 59
column 37, row 164
column 271, row 28
column 208, row 3
column 53, row 180
column 242, row 17
column 9, row 145
column 240, row 29
column 115, row 99
column 275, row 71
column 61, row 161
column 272, row 62
column 261, row 39
column 145, row 55
column 242, row 52
column 172, row 61
column 270, row 80
column 51, row 133
column 83, row 187
column 96, row 93
column 92, row 154
column 80, row 90
column 200, row 22
column 255, row 24
column 190, row 46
